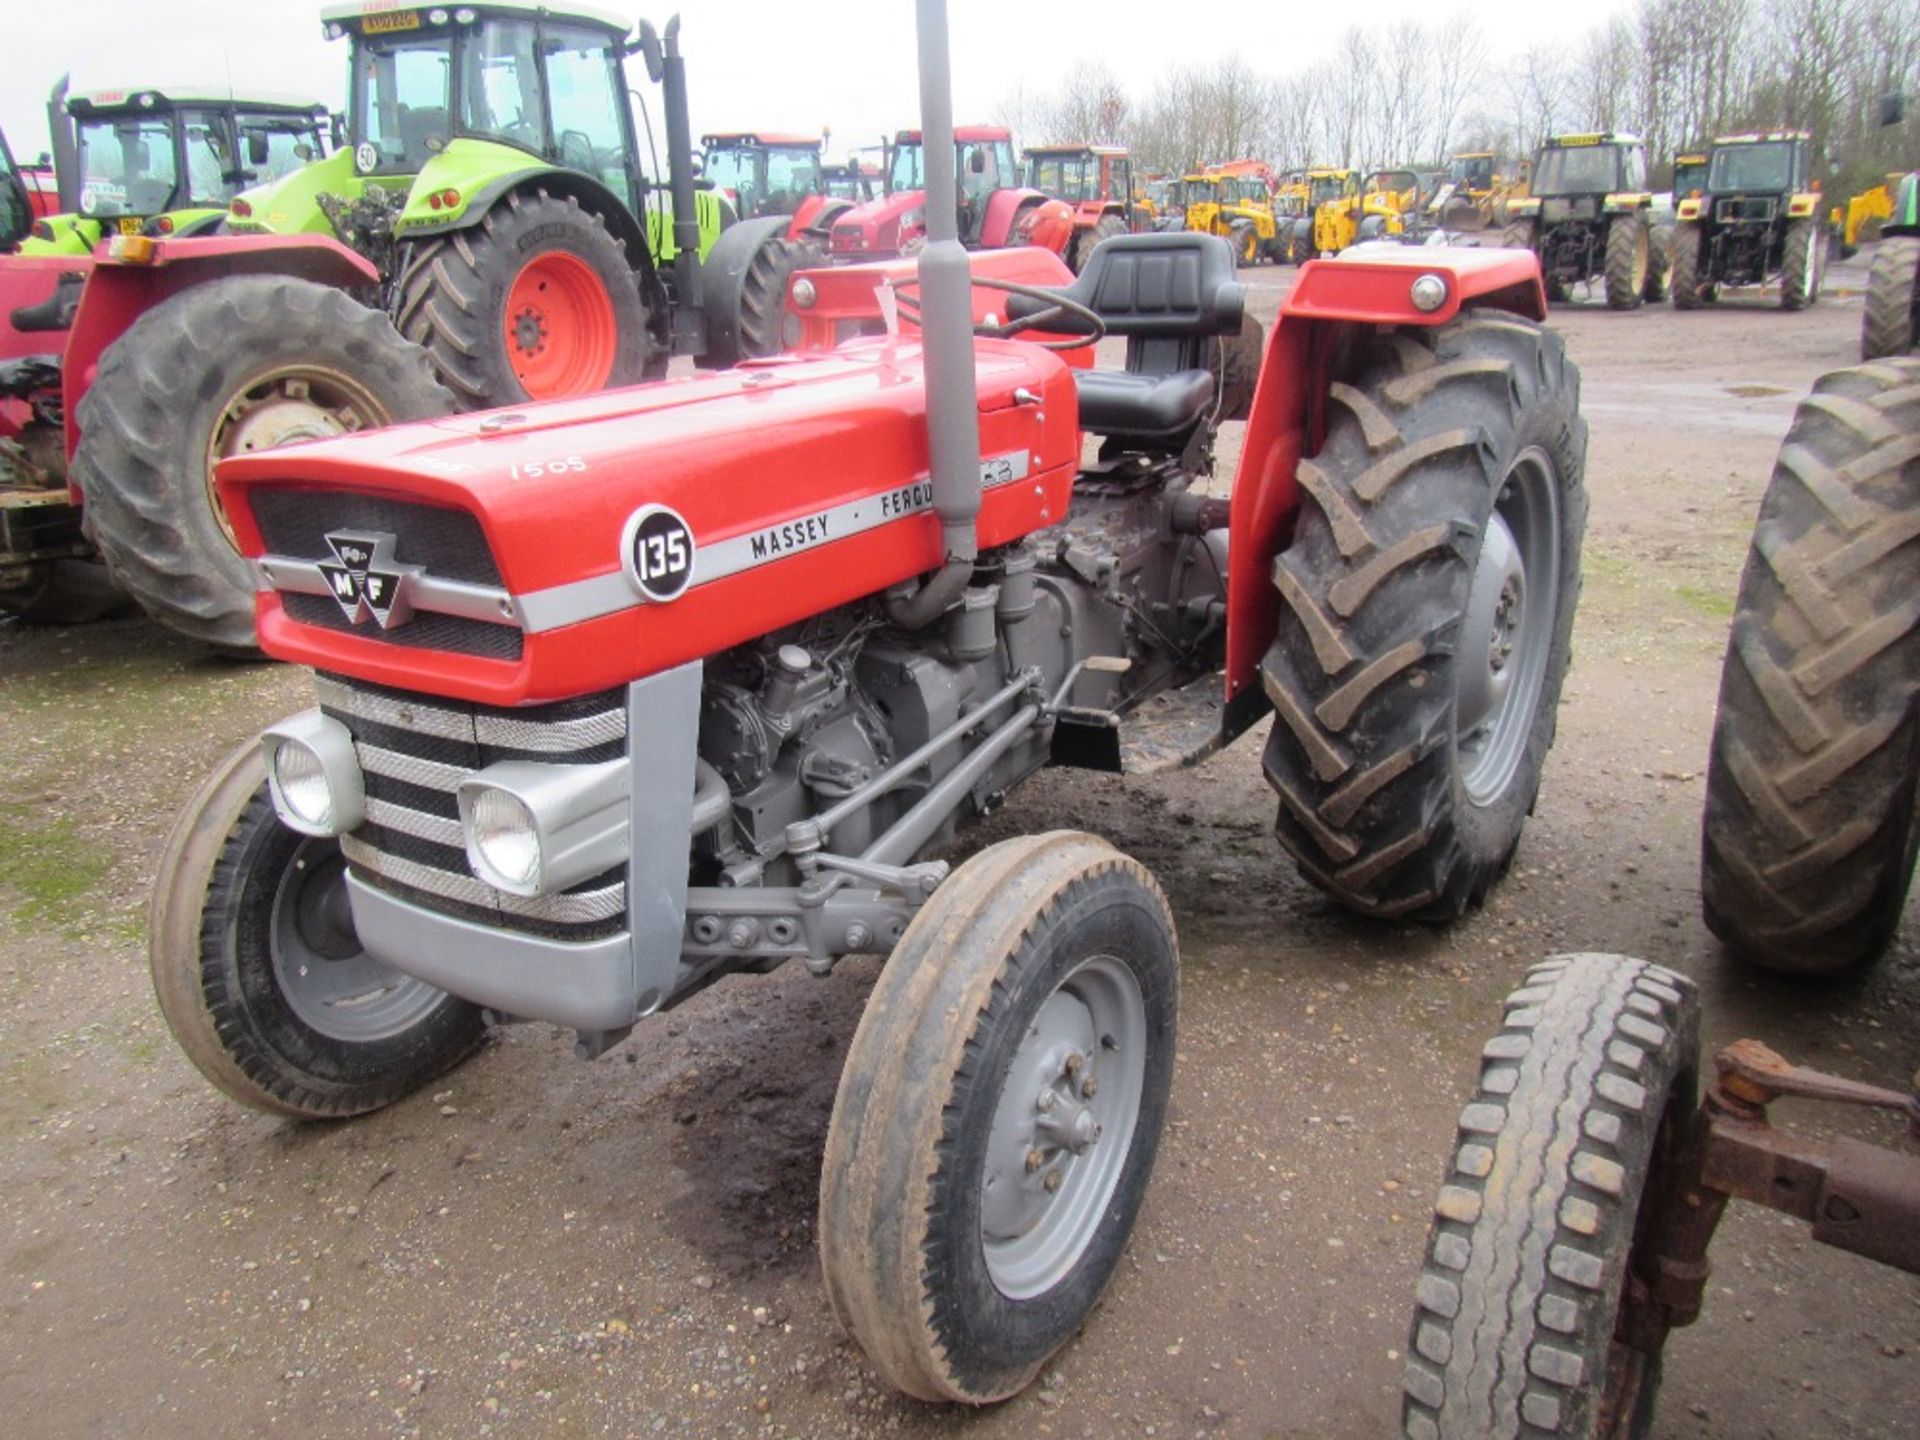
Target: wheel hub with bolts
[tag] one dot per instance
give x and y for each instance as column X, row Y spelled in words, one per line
column 281, row 408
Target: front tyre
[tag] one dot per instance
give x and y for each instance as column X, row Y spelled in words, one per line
column 1893, row 299
column 1800, row 265
column 1685, row 286
column 228, row 367
column 1629, row 260
column 1582, row 1099
column 261, row 977
column 1246, row 244
column 1426, row 614
column 1087, row 241
column 1810, row 831
column 998, row 1117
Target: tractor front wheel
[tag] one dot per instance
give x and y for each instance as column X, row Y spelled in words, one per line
column 1087, row 241
column 1629, row 258
column 1427, row 604
column 261, row 977
column 1810, row 831
column 1800, row 265
column 1893, row 299
column 998, row 1115
column 229, row 367
column 1246, row 243
column 534, row 302
column 763, row 293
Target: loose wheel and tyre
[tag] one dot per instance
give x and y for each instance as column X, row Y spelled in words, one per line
column 228, row 367
column 1426, row 613
column 1629, row 258
column 261, row 978
column 1893, row 299
column 1809, row 834
column 1087, row 241
column 61, row 592
column 1689, row 291
column 998, row 1115
column 1800, row 265
column 535, row 301
column 1582, row 1098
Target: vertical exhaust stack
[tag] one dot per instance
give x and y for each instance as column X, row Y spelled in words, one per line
column 65, row 148
column 686, row 221
column 946, row 324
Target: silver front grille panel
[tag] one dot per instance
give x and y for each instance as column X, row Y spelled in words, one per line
column 414, row 752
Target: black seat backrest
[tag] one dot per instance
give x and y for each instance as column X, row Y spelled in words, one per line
column 1169, row 292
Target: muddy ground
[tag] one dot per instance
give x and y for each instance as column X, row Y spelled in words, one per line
column 546, row 1247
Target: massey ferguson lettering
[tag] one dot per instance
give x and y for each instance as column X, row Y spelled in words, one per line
column 794, row 535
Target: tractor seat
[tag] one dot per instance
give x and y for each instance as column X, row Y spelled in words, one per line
column 1148, row 407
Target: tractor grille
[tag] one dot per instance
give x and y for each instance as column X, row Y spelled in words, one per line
column 1736, row 208
column 414, row 752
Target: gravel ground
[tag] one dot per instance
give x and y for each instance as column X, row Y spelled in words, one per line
column 546, row 1247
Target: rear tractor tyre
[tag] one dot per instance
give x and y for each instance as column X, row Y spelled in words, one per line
column 1239, row 358
column 1809, row 833
column 763, row 294
column 535, row 301
column 228, row 367
column 1891, row 325
column 1426, row 613
column 1800, row 265
column 261, row 978
column 1582, row 1099
column 1685, row 286
column 1087, row 241
column 1246, row 244
column 63, row 592
column 998, row 1116
column 1629, row 261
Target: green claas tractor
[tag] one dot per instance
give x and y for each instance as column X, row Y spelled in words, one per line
column 168, row 162
column 1589, row 217
column 1758, row 221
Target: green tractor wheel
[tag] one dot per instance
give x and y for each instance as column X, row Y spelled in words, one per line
column 535, row 302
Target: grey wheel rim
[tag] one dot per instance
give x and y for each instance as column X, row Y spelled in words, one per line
column 329, row 982
column 1063, row 1128
column 1506, row 636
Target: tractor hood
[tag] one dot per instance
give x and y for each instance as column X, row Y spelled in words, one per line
column 291, row 204
column 561, row 549
column 879, row 227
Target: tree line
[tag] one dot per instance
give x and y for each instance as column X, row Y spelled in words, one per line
column 1675, row 72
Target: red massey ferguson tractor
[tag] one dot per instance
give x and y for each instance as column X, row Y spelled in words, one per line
column 619, row 695
column 995, row 209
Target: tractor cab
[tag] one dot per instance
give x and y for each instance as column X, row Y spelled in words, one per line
column 1574, row 174
column 1097, row 181
column 995, row 209
column 1589, row 217
column 156, row 162
column 761, row 173
column 1472, row 173
column 848, row 182
column 1756, row 220
column 1689, row 174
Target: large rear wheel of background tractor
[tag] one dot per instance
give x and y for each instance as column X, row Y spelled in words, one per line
column 1087, row 241
column 999, row 1114
column 1629, row 258
column 537, row 300
column 228, row 367
column 1809, row 836
column 1686, row 287
column 261, row 977
column 1893, row 299
column 763, row 293
column 1246, row 243
column 1571, row 1134
column 1427, row 606
column 1800, row 256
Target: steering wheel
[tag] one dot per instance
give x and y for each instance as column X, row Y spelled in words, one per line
column 1054, row 306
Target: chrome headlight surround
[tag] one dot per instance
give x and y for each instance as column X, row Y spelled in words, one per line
column 322, row 748
column 576, row 817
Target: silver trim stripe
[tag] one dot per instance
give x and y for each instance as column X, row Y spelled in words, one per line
column 487, row 603
column 539, row 737
column 579, row 909
column 417, row 823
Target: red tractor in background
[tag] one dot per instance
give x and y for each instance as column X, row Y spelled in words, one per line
column 619, row 695
column 1097, row 180
column 762, row 173
column 995, row 209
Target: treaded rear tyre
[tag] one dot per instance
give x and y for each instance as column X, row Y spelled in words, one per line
column 232, row 361
column 763, row 293
column 1367, row 668
column 228, row 877
column 453, row 298
column 917, row 1173
column 1893, row 299
column 1087, row 241
column 1800, row 265
column 1246, row 244
column 1580, row 1099
column 1685, row 284
column 1809, row 833
column 1629, row 260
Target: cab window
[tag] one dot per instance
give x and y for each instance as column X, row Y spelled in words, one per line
column 402, row 92
column 126, row 166
column 588, row 100
column 211, row 163
column 500, row 85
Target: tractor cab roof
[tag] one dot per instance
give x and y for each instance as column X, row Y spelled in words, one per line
column 962, row 135
column 388, row 17
column 1473, row 155
column 1762, row 137
column 766, row 139
column 151, row 100
column 1580, row 142
column 1690, row 157
column 1102, row 150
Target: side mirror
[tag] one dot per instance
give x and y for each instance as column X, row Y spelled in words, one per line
column 1893, row 108
column 977, row 162
column 257, row 151
column 648, row 47
column 303, row 152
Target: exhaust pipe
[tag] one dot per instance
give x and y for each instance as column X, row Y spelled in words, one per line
column 946, row 326
column 66, row 149
column 686, row 220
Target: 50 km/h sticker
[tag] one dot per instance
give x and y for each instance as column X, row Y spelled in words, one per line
column 658, row 547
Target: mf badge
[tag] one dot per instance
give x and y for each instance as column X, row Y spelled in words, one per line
column 365, row 579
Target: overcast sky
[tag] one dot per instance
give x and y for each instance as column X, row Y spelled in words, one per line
column 770, row 64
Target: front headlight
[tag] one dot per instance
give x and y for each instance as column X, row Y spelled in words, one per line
column 503, row 844
column 313, row 775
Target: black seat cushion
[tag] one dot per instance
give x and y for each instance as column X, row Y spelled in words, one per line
column 1120, row 402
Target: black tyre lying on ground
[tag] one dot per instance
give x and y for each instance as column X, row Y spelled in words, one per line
column 1809, row 835
column 1580, row 1101
column 261, row 978
column 225, row 368
column 1427, row 604
column 998, row 1116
